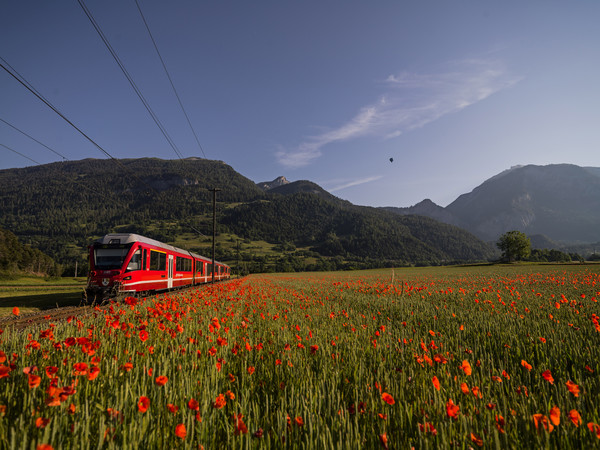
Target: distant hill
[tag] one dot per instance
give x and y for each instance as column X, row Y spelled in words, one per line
column 277, row 182
column 307, row 187
column 331, row 229
column 17, row 258
column 429, row 209
column 560, row 202
column 61, row 207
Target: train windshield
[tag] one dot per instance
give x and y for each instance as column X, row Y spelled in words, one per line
column 110, row 258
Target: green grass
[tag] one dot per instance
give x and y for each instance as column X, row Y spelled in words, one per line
column 33, row 294
column 324, row 349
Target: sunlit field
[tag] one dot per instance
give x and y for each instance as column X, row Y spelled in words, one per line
column 495, row 357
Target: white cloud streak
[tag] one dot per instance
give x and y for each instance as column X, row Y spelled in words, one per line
column 412, row 100
column 351, row 183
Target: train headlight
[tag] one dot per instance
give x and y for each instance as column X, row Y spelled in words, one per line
column 105, row 281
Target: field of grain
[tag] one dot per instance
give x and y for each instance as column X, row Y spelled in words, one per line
column 491, row 356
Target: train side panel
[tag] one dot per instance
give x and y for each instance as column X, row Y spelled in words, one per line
column 129, row 263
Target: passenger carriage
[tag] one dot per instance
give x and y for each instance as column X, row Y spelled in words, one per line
column 132, row 264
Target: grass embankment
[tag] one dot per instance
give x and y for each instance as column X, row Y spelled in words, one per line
column 33, row 294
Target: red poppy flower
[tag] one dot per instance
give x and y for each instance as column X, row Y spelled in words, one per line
column 193, row 405
column 573, row 388
column 220, row 402
column 239, row 425
column 299, row 421
column 476, row 439
column 4, row 371
column 180, row 431
column 542, row 419
column 251, row 370
column 93, row 373
column 452, row 410
column 388, row 398
column 555, row 415
column 428, row 427
column 526, row 364
column 172, row 408
column 548, row 376
column 466, row 367
column 575, row 417
column 16, row 311
column 383, row 440
column 143, row 404
column 33, row 380
column 143, row 335
column 500, row 422
column 41, row 422
column 161, row 380
column 80, row 368
column 436, row 383
column 594, row 428
column 51, row 371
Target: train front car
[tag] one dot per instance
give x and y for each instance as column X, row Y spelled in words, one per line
column 128, row 263
column 110, row 258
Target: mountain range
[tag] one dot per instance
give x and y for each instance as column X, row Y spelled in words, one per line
column 62, row 207
column 559, row 202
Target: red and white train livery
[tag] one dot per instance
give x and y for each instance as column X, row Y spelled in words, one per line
column 131, row 264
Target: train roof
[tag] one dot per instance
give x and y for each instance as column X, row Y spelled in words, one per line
column 130, row 238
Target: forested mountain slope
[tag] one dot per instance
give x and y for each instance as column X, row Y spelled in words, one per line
column 62, row 207
column 18, row 258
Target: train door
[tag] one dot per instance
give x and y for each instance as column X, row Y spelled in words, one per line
column 170, row 272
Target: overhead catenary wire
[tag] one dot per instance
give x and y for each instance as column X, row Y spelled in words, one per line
column 169, row 77
column 34, row 139
column 17, row 76
column 129, row 78
column 74, row 181
column 21, row 154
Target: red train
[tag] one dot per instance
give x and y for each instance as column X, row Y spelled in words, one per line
column 133, row 264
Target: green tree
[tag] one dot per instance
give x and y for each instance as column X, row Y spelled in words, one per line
column 515, row 246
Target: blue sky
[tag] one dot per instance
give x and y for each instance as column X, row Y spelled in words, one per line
column 454, row 91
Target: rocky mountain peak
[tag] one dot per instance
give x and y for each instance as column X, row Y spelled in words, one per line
column 267, row 185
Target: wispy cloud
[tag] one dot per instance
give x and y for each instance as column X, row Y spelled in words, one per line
column 349, row 183
column 412, row 100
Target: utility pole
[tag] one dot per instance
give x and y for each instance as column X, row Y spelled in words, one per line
column 214, row 191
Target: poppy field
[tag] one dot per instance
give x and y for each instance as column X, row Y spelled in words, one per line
column 491, row 357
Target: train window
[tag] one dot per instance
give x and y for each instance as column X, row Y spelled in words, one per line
column 209, row 270
column 199, row 267
column 144, row 259
column 135, row 263
column 158, row 260
column 183, row 264
column 109, row 258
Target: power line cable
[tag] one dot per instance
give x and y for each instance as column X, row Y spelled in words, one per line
column 169, row 77
column 17, row 76
column 21, row 154
column 34, row 139
column 129, row 78
column 53, row 151
column 72, row 180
